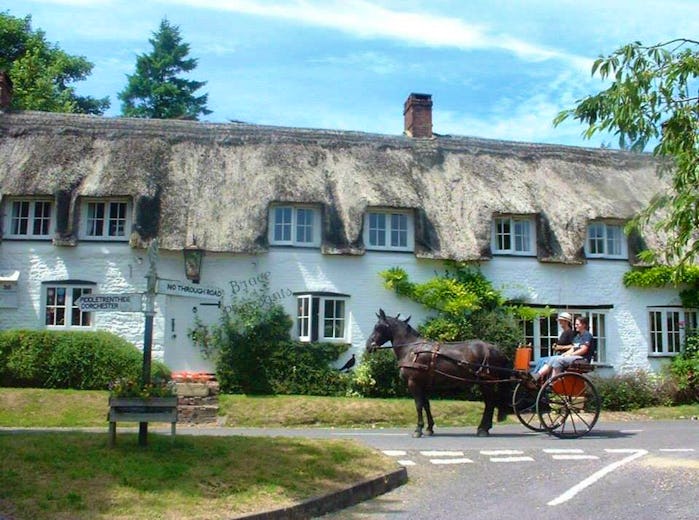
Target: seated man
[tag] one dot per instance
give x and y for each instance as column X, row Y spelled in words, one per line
column 580, row 349
column 565, row 340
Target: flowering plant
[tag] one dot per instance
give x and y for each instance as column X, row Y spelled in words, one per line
column 125, row 387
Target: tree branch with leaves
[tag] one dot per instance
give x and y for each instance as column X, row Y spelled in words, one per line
column 653, row 99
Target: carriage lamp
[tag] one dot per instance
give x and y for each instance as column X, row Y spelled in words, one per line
column 193, row 256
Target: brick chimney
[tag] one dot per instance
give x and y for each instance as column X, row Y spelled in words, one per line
column 417, row 114
column 5, row 90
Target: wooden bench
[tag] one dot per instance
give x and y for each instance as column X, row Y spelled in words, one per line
column 131, row 409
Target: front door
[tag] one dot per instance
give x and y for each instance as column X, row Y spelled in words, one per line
column 181, row 353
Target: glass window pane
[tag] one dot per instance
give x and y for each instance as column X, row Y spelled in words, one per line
column 304, row 225
column 377, row 229
column 399, row 230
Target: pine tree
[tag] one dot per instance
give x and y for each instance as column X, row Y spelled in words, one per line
column 157, row 89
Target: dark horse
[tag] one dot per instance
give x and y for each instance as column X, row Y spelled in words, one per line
column 426, row 365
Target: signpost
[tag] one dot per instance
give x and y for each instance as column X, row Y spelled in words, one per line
column 177, row 288
column 145, row 302
column 128, row 302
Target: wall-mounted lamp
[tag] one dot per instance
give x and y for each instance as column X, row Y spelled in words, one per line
column 193, row 256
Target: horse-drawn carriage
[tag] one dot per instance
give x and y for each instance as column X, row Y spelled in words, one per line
column 567, row 405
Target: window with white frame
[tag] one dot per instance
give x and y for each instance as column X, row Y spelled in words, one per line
column 543, row 332
column 294, row 226
column 389, row 230
column 514, row 236
column 606, row 240
column 60, row 307
column 668, row 327
column 105, row 219
column 28, row 218
column 322, row 317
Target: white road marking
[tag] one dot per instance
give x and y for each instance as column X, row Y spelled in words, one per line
column 635, row 454
column 574, row 457
column 451, row 461
column 406, row 462
column 511, row 459
column 395, row 453
column 563, row 450
column 676, row 449
column 501, row 452
column 630, row 431
column 438, row 453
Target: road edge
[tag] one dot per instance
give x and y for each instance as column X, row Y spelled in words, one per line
column 341, row 499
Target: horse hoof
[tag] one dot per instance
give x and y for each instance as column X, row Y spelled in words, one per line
column 417, row 434
column 482, row 433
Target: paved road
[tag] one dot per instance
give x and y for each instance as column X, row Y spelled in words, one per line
column 627, row 470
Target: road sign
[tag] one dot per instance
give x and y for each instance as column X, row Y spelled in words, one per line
column 177, row 288
column 127, row 302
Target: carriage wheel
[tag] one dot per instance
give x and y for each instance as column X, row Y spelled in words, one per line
column 568, row 405
column 524, row 406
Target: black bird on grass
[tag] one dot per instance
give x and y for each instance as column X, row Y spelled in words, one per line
column 350, row 363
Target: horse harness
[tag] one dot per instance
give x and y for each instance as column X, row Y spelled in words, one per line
column 483, row 373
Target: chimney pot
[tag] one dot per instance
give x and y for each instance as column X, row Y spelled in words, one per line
column 417, row 115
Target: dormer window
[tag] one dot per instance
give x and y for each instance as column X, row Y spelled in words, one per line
column 514, row 236
column 105, row 219
column 389, row 230
column 294, row 225
column 606, row 240
column 28, row 218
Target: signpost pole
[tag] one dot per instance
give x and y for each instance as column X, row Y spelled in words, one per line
column 149, row 312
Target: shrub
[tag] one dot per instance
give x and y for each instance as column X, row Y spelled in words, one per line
column 626, row 392
column 377, row 376
column 684, row 370
column 304, row 369
column 67, row 359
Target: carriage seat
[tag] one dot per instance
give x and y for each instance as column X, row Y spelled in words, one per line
column 580, row 366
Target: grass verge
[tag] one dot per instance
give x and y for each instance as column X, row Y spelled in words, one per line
column 75, row 476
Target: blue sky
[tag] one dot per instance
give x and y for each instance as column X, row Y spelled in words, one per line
column 497, row 69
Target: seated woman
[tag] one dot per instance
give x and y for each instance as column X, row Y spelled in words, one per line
column 565, row 340
column 580, row 349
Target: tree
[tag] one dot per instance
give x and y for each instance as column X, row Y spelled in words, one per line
column 42, row 73
column 649, row 100
column 156, row 90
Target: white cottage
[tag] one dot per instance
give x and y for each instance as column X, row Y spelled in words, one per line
column 317, row 214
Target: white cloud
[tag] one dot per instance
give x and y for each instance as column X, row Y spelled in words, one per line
column 369, row 20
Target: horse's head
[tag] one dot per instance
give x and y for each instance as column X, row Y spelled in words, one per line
column 384, row 331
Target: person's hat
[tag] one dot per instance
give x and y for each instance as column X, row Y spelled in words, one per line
column 565, row 316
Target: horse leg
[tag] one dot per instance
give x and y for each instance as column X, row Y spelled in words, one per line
column 487, row 418
column 419, row 398
column 504, row 400
column 430, row 421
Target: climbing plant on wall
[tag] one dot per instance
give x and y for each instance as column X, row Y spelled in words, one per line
column 465, row 305
column 664, row 276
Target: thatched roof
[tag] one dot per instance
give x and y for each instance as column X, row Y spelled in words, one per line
column 216, row 181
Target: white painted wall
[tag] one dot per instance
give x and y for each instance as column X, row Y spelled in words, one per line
column 117, row 268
